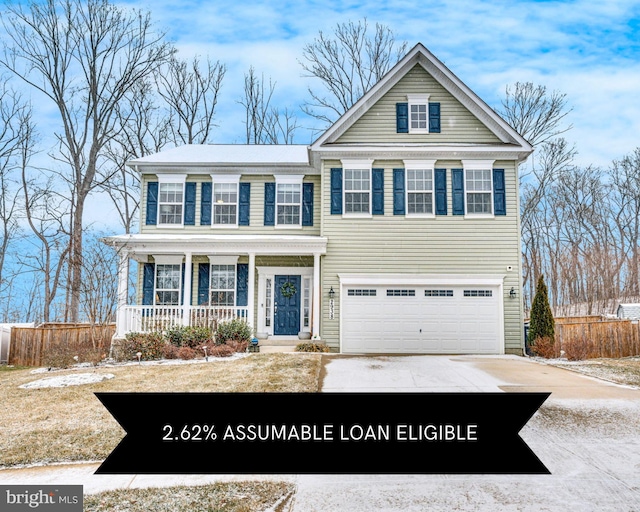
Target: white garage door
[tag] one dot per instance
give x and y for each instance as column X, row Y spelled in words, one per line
column 438, row 319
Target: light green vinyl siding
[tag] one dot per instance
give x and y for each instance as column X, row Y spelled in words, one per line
column 378, row 124
column 395, row 244
column 256, row 210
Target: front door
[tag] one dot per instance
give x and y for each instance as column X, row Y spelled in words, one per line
column 286, row 306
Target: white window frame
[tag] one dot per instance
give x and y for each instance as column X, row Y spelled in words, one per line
column 218, row 261
column 484, row 166
column 357, row 165
column 417, row 100
column 171, row 179
column 295, row 180
column 217, row 179
column 166, row 260
column 419, row 165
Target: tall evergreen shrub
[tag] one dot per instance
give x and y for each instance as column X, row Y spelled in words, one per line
column 541, row 324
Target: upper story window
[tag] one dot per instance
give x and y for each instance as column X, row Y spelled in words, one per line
column 478, row 186
column 225, row 200
column 170, row 203
column 289, row 201
column 168, row 277
column 171, row 188
column 357, row 186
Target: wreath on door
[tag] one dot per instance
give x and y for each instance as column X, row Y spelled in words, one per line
column 288, row 290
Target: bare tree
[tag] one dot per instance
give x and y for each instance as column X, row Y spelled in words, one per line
column 145, row 130
column 190, row 90
column 99, row 288
column 14, row 119
column 265, row 124
column 347, row 63
column 83, row 56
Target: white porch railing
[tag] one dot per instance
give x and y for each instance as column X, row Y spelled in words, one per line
column 161, row 318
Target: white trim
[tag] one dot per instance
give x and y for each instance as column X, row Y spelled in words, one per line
column 223, row 260
column 357, row 165
column 292, row 179
column 467, row 214
column 225, row 178
column 172, row 178
column 168, row 259
column 410, row 164
column 478, row 165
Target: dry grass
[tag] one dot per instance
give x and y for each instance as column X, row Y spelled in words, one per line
column 70, row 424
column 227, row 497
column 621, row 371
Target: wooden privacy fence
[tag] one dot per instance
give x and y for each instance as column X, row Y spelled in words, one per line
column 596, row 337
column 31, row 346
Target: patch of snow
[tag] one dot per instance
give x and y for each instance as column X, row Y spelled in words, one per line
column 68, row 380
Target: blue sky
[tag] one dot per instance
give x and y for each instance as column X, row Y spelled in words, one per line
column 589, row 50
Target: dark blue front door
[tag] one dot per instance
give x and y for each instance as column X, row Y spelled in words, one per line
column 287, row 305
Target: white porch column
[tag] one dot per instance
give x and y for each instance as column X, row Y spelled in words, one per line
column 251, row 301
column 123, row 289
column 315, row 328
column 188, row 279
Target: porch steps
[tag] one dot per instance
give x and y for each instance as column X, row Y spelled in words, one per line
column 279, row 344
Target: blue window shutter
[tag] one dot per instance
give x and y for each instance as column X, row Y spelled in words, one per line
column 457, row 177
column 203, row 283
column 189, row 204
column 307, row 204
column 434, row 117
column 242, row 284
column 499, row 193
column 205, row 204
column 378, row 191
column 336, row 191
column 243, row 204
column 148, row 284
column 152, row 203
column 441, row 191
column 398, row 192
column 269, row 204
column 402, row 117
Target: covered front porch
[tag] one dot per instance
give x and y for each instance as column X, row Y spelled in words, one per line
column 271, row 282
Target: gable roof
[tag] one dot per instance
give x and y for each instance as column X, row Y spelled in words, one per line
column 420, row 55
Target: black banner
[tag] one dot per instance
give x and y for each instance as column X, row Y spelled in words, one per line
column 312, row 433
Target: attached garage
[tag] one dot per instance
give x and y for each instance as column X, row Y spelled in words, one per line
column 428, row 315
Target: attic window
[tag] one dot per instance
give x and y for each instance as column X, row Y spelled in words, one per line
column 418, row 113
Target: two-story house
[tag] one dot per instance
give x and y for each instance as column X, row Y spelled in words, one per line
column 396, row 231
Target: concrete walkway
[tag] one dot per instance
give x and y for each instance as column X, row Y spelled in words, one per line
column 587, row 434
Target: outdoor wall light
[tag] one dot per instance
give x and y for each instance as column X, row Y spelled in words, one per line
column 512, row 293
column 332, row 293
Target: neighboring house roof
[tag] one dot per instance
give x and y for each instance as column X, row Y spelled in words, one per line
column 420, row 55
column 631, row 311
column 225, row 155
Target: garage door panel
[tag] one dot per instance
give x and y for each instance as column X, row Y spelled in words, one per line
column 422, row 319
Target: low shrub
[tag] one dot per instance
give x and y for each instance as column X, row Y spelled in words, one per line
column 170, row 351
column 192, row 337
column 546, row 347
column 222, row 350
column 234, row 330
column 59, row 356
column 187, row 353
column 312, row 346
column 150, row 345
column 576, row 349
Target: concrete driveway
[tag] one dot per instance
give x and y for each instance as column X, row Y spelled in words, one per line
column 587, row 434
